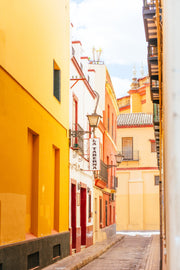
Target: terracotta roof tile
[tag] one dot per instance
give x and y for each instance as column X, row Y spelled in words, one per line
column 134, row 119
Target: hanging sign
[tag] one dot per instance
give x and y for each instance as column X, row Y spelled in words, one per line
column 94, row 160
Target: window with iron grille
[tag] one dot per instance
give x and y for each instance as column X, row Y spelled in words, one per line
column 156, row 180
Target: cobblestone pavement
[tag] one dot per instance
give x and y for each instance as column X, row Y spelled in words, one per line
column 131, row 253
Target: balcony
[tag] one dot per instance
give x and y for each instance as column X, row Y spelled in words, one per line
column 155, row 91
column 149, row 4
column 153, row 53
column 149, row 12
column 130, row 155
column 156, row 114
column 77, row 142
column 114, row 182
column 103, row 173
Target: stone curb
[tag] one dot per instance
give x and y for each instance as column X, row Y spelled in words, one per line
column 78, row 260
column 95, row 256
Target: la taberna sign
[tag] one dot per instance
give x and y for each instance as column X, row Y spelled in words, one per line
column 94, row 154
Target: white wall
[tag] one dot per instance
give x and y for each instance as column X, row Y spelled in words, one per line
column 171, row 22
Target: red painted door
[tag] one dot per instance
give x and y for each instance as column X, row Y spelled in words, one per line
column 83, row 216
column 73, row 214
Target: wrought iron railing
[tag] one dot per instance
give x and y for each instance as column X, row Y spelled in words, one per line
column 130, row 155
column 114, row 182
column 152, row 51
column 77, row 139
column 149, row 4
column 156, row 117
column 103, row 173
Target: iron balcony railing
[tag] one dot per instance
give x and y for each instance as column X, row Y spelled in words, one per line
column 103, row 173
column 156, row 117
column 130, row 155
column 149, row 4
column 155, row 84
column 152, row 51
column 114, row 182
column 77, row 139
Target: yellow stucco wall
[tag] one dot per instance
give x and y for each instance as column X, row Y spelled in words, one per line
column 136, row 103
column 137, row 200
column 32, row 35
column 19, row 114
column 141, row 143
column 98, row 234
column 148, row 106
column 33, row 123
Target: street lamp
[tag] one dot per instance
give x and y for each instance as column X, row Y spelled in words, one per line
column 93, row 119
column 119, row 159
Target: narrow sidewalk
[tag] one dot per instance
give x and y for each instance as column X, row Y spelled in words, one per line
column 153, row 258
column 78, row 260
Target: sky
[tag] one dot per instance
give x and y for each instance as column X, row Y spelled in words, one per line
column 116, row 27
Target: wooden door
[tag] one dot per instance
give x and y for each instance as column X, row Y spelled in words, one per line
column 73, row 214
column 83, row 216
column 127, row 148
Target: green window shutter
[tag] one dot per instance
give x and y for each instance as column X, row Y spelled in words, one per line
column 57, row 79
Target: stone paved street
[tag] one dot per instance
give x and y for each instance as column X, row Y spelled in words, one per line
column 130, row 253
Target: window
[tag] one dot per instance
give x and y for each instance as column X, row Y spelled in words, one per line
column 100, row 206
column 156, row 180
column 153, row 146
column 89, row 205
column 108, row 120
column 56, row 80
column 127, row 148
column 75, row 119
column 112, row 125
column 106, row 213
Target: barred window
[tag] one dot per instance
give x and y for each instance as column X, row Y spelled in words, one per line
column 156, row 180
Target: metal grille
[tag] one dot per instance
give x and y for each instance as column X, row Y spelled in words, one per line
column 56, row 251
column 77, row 141
column 33, row 260
column 156, row 180
column 103, row 173
column 130, row 155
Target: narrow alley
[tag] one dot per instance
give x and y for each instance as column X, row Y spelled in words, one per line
column 131, row 253
column 120, row 252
